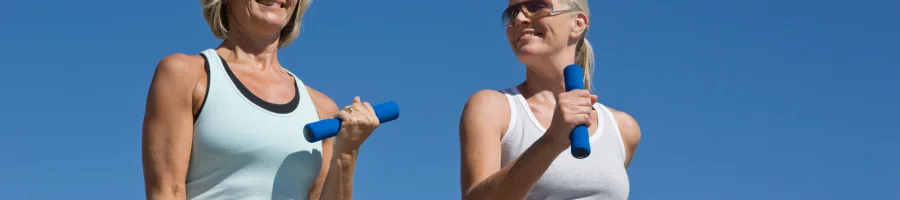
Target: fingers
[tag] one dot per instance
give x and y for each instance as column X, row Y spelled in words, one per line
column 582, row 97
column 372, row 116
column 343, row 115
column 578, row 105
column 580, row 93
column 367, row 113
column 358, row 121
column 582, row 115
column 359, row 111
column 368, row 107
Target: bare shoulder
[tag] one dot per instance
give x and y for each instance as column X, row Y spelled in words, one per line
column 180, row 68
column 487, row 102
column 175, row 78
column 486, row 96
column 180, row 62
column 325, row 106
column 628, row 126
column 485, row 109
column 630, row 131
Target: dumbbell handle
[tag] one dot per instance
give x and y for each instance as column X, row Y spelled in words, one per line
column 327, row 128
column 581, row 146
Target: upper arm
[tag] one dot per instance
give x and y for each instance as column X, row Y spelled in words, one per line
column 326, row 108
column 630, row 131
column 168, row 124
column 483, row 121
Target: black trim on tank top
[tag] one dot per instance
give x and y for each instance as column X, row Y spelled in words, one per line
column 272, row 107
column 206, row 95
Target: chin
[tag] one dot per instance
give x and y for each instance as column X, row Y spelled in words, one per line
column 530, row 51
column 269, row 20
column 528, row 58
column 271, row 16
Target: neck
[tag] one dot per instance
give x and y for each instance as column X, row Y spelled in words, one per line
column 260, row 52
column 542, row 85
column 545, row 80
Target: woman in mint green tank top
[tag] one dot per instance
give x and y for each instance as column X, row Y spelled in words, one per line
column 227, row 123
column 515, row 142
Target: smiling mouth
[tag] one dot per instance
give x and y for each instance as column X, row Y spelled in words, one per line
column 529, row 34
column 534, row 34
column 271, row 3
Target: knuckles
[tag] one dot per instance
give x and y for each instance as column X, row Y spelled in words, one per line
column 359, row 121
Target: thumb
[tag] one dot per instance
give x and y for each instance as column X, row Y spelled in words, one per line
column 356, row 99
column 593, row 99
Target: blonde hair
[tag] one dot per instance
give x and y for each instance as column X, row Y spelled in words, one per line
column 216, row 15
column 584, row 54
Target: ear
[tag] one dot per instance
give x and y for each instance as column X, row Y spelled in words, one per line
column 580, row 24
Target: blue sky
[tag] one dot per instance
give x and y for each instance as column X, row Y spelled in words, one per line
column 737, row 100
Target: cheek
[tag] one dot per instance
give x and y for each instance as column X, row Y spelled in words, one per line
column 290, row 10
column 240, row 13
column 288, row 13
column 558, row 31
column 293, row 5
column 509, row 35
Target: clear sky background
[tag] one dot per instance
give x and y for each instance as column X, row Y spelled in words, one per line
column 763, row 99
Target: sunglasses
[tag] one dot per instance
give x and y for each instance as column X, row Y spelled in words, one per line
column 532, row 9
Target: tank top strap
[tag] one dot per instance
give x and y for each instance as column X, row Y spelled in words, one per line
column 301, row 87
column 303, row 93
column 614, row 125
column 512, row 99
column 214, row 63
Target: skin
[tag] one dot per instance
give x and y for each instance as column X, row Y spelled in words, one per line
column 486, row 116
column 179, row 84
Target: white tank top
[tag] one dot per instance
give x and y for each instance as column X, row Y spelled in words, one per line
column 601, row 175
column 247, row 148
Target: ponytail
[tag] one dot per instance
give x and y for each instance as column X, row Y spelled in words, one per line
column 584, row 57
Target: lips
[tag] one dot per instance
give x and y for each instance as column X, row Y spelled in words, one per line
column 272, row 3
column 530, row 33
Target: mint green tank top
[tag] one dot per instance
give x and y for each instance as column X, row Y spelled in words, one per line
column 247, row 148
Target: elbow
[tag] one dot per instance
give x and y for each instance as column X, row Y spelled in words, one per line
column 468, row 193
column 179, row 191
column 489, row 196
column 485, row 193
column 174, row 191
column 475, row 193
column 469, row 196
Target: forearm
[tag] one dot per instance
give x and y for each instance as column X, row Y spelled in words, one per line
column 339, row 182
column 516, row 179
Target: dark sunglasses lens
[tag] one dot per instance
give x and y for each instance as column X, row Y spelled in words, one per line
column 535, row 6
column 509, row 14
column 532, row 6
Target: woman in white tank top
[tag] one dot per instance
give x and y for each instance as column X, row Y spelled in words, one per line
column 227, row 123
column 514, row 142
